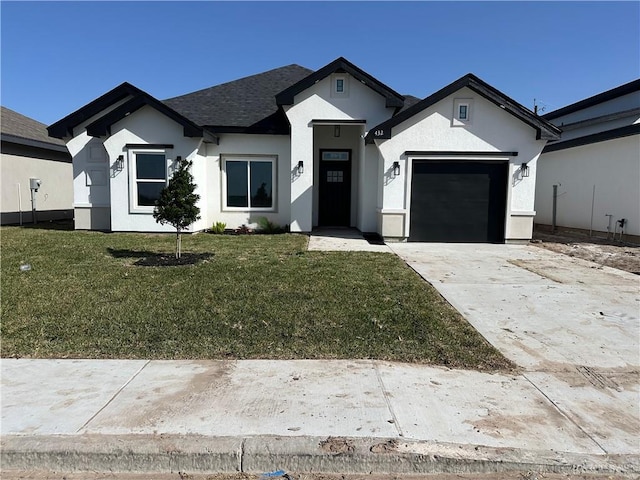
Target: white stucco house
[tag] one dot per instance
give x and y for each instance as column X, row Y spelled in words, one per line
column 331, row 147
column 28, row 153
column 595, row 166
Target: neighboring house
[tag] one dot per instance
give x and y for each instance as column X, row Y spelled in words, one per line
column 28, row 152
column 595, row 165
column 332, row 147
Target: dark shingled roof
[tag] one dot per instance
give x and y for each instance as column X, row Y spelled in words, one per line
column 24, row 130
column 409, row 101
column 242, row 103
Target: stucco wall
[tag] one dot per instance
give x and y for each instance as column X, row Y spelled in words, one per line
column 612, row 166
column 54, row 199
column 491, row 130
column 250, row 145
column 148, row 126
column 91, row 173
column 317, row 103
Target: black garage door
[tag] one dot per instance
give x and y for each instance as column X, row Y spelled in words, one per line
column 458, row 201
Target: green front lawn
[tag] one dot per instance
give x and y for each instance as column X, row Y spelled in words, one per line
column 94, row 295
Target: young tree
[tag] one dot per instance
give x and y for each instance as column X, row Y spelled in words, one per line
column 177, row 202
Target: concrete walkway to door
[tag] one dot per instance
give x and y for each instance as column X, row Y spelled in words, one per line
column 572, row 325
column 343, row 240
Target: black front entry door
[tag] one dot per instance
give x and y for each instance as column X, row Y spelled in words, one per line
column 335, row 188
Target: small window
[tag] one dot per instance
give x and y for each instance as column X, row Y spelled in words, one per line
column 335, row 176
column 148, row 176
column 249, row 183
column 462, row 112
column 335, row 156
column 339, row 85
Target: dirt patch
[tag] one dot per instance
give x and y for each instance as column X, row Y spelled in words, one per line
column 337, row 445
column 386, row 447
column 533, row 267
column 623, row 256
column 144, row 258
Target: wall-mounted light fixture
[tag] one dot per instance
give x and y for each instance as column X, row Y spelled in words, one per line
column 396, row 169
column 300, row 167
column 119, row 162
column 178, row 159
column 524, row 170
column 336, row 131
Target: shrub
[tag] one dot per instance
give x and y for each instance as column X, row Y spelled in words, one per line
column 243, row 230
column 267, row 226
column 218, row 227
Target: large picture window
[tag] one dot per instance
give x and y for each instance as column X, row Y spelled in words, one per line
column 249, row 183
column 149, row 177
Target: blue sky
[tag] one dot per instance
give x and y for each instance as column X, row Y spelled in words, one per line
column 58, row 56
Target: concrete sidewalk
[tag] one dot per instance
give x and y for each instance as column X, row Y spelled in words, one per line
column 332, row 416
column 573, row 406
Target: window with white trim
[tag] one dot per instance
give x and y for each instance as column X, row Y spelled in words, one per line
column 148, row 176
column 339, row 85
column 462, row 111
column 249, row 182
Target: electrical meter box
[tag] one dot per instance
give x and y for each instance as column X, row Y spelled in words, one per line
column 34, row 183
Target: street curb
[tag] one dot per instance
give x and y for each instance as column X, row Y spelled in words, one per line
column 201, row 454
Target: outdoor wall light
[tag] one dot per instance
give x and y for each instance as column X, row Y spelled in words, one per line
column 336, row 131
column 396, row 169
column 119, row 162
column 300, row 167
column 524, row 169
column 178, row 159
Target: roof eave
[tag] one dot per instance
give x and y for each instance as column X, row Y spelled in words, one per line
column 627, row 88
column 64, row 127
column 544, row 129
column 6, row 137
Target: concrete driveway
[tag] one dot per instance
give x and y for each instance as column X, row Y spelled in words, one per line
column 571, row 325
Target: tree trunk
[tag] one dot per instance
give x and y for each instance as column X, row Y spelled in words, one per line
column 178, row 243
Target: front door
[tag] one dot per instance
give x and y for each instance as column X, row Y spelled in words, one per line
column 335, row 188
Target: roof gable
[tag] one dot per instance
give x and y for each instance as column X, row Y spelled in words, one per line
column 544, row 129
column 620, row 91
column 341, row 65
column 102, row 125
column 64, row 127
